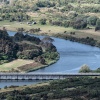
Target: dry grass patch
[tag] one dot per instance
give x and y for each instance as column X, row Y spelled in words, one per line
column 14, row 64
column 31, row 66
column 33, row 14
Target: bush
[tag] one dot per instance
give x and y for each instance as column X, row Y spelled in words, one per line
column 84, row 69
column 5, row 87
column 79, row 24
column 97, row 25
column 42, row 21
column 45, row 4
column 35, row 8
column 92, row 20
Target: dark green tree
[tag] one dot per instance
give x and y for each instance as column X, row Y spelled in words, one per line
column 92, row 20
column 43, row 21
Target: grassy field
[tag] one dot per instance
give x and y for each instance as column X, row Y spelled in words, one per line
column 24, row 66
column 14, row 64
column 44, row 28
column 50, row 30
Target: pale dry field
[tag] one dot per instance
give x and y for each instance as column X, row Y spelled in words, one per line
column 14, row 64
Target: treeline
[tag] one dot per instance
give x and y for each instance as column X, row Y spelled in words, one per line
column 87, row 40
column 77, row 21
column 84, row 88
column 45, row 4
column 76, row 24
column 8, row 48
column 69, row 15
column 20, row 17
column 22, row 46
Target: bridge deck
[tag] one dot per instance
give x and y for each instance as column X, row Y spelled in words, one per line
column 18, row 76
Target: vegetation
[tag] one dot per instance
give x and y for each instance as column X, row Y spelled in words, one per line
column 69, row 19
column 71, row 89
column 85, row 69
column 75, row 20
column 71, row 37
column 27, row 47
column 43, row 21
column 53, row 16
column 63, row 13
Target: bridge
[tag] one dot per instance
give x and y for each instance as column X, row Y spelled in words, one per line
column 42, row 76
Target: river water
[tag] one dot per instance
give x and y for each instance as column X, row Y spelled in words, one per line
column 72, row 56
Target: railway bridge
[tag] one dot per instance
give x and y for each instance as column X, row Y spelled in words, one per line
column 42, row 76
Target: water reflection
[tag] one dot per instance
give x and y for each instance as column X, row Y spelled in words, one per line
column 8, row 83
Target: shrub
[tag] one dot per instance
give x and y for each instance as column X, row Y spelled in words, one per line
column 92, row 20
column 42, row 21
column 84, row 69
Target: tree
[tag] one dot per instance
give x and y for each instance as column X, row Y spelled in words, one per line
column 10, row 98
column 5, row 87
column 92, row 20
column 98, row 23
column 79, row 23
column 84, row 69
column 47, row 39
column 43, row 21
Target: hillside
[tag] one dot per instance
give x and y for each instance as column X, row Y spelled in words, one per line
column 68, row 89
column 53, row 17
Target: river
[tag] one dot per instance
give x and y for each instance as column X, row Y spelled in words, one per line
column 72, row 56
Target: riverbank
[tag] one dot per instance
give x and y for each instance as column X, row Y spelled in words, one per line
column 65, row 33
column 11, row 88
column 43, row 66
column 86, row 40
column 67, row 89
column 20, row 65
column 52, row 30
column 72, row 37
column 79, row 36
column 32, row 57
column 30, row 68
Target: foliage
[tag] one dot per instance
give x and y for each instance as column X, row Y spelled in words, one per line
column 87, row 40
column 42, row 21
column 97, row 70
column 45, row 4
column 50, row 55
column 65, row 13
column 35, row 8
column 98, row 23
column 79, row 23
column 83, row 88
column 84, row 69
column 92, row 20
column 24, row 46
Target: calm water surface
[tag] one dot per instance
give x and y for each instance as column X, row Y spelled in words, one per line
column 72, row 56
